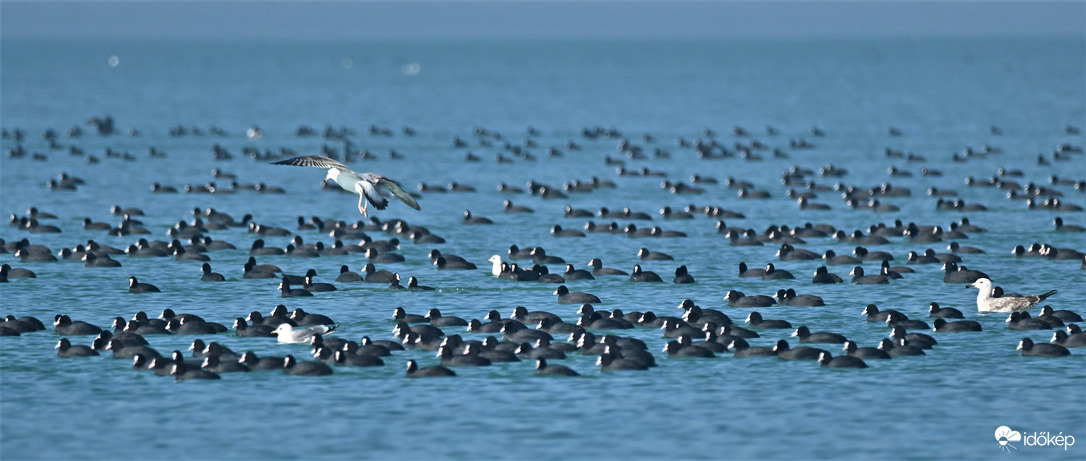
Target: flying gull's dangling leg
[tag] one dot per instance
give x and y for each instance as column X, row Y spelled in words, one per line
column 362, row 205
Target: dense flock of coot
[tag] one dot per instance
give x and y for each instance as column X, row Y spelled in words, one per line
column 541, row 337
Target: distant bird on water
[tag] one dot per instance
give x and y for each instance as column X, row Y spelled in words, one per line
column 368, row 186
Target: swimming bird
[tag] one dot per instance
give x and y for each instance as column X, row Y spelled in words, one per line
column 16, row 272
column 124, row 351
column 210, row 276
column 345, row 275
column 413, row 371
column 262, row 271
column 647, row 255
column 469, row 358
column 241, row 328
column 496, row 265
column 65, row 348
column 756, row 321
column 921, row 340
column 858, row 277
column 955, row 274
column 522, row 314
column 682, row 275
column 1023, row 321
column 542, row 368
column 738, row 299
column 540, row 256
column 834, row 259
column 250, row 359
column 436, row 319
column 772, row 273
column 805, row 336
column 790, row 298
column 825, row 359
column 1041, row 350
column 190, row 326
column 786, row 352
column 470, row 219
column 182, row 371
column 934, row 310
column 543, row 349
column 684, row 348
column 746, row 272
column 572, row 273
column 312, row 286
column 443, row 263
column 1070, row 338
column 1061, row 227
column 99, row 260
column 67, row 327
column 640, row 275
column 899, row 347
column 822, row 275
column 610, row 359
column 378, row 348
column 567, row 297
column 1062, row 314
column 288, row 334
column 142, row 329
column 292, row 366
column 301, row 317
column 400, row 314
column 987, row 303
column 743, row 349
column 959, row 325
column 160, row 365
column 277, row 317
column 343, row 358
column 373, row 275
column 287, row 292
column 598, row 269
column 865, row 352
column 20, row 326
column 216, row 364
column 692, row 313
column 898, row 319
column 368, row 186
column 135, row 286
column 413, row 285
column 395, row 284
column 558, row 231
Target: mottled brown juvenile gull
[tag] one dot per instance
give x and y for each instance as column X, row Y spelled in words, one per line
column 986, row 303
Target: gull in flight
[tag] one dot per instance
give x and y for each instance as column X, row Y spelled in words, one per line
column 368, row 186
column 287, row 333
column 986, row 303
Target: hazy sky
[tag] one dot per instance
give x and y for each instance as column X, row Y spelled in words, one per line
column 535, row 19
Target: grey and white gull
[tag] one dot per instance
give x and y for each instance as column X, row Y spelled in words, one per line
column 287, row 334
column 496, row 265
column 368, row 186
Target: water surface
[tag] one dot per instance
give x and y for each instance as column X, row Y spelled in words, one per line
column 943, row 96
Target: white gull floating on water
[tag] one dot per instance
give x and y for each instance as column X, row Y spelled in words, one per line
column 287, row 333
column 496, row 267
column 986, row 303
column 368, row 186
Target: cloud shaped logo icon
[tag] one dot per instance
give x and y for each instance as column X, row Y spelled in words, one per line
column 1005, row 435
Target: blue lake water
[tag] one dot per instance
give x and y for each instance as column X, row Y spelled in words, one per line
column 944, row 97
